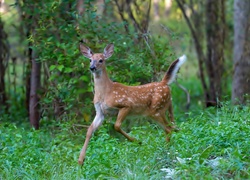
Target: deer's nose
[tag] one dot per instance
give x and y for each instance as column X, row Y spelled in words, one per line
column 92, row 68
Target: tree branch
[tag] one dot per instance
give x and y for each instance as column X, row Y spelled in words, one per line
column 201, row 57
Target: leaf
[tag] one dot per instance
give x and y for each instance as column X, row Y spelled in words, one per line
column 86, row 117
column 52, row 67
column 182, row 161
column 60, row 67
column 204, row 155
column 68, row 70
column 84, row 78
column 19, row 135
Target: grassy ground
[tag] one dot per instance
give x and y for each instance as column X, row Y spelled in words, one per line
column 212, row 144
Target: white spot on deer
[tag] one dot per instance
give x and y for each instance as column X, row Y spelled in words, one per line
column 120, row 100
column 131, row 100
column 115, row 92
column 157, row 114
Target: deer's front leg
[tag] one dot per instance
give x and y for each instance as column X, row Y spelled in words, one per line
column 121, row 116
column 95, row 124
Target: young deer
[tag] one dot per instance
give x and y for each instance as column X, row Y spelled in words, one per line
column 112, row 98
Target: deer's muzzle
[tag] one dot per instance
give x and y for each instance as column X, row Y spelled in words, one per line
column 92, row 68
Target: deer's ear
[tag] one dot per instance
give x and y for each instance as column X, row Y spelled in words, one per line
column 108, row 51
column 86, row 51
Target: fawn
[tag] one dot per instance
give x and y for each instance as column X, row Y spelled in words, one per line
column 112, row 98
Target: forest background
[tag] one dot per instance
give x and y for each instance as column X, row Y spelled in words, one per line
column 46, row 89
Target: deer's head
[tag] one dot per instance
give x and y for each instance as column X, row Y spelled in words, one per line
column 97, row 60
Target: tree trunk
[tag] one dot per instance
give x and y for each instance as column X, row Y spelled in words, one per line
column 156, row 10
column 215, row 33
column 34, row 87
column 215, row 30
column 27, row 80
column 241, row 76
column 80, row 7
column 3, row 57
column 168, row 5
column 29, row 55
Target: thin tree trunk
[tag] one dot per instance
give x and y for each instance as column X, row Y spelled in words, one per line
column 3, row 58
column 34, row 87
column 2, row 82
column 27, row 87
column 27, row 79
column 241, row 76
column 156, row 10
column 168, row 5
column 100, row 7
column 215, row 33
column 80, row 7
column 215, row 28
column 197, row 37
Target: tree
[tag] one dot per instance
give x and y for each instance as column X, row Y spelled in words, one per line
column 215, row 33
column 3, row 61
column 34, row 114
column 211, row 64
column 168, row 5
column 137, row 13
column 33, row 71
column 156, row 10
column 241, row 76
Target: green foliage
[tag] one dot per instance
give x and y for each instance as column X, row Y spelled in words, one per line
column 215, row 141
column 53, row 30
column 55, row 35
column 210, row 145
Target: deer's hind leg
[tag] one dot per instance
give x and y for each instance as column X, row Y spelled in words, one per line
column 162, row 120
column 120, row 118
column 170, row 113
column 171, row 116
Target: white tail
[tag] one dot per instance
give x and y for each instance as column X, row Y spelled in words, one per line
column 111, row 98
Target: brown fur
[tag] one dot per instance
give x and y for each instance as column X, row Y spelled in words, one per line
column 111, row 98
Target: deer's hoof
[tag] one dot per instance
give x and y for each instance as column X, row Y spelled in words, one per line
column 176, row 129
column 80, row 162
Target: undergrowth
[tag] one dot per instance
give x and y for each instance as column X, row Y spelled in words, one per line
column 213, row 144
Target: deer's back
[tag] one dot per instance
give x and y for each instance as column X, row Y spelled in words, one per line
column 143, row 99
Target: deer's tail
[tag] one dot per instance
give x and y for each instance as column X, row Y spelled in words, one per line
column 173, row 69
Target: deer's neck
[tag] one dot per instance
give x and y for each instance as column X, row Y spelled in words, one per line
column 102, row 85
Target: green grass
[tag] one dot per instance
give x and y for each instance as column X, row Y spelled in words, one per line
column 212, row 144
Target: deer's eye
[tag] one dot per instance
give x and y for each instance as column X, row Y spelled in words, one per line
column 100, row 61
